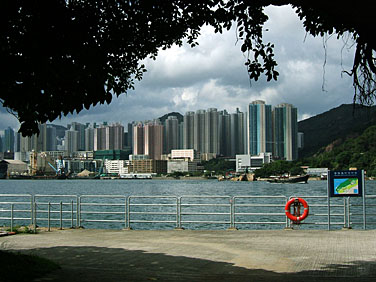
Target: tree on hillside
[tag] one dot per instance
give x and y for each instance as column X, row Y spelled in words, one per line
column 359, row 152
column 278, row 168
column 59, row 56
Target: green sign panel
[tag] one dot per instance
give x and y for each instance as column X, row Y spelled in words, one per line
column 348, row 183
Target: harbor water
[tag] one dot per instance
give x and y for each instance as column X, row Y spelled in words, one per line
column 203, row 204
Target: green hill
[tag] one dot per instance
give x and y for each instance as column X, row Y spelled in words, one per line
column 334, row 127
column 359, row 152
column 175, row 114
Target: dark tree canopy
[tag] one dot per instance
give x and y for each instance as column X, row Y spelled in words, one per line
column 59, row 56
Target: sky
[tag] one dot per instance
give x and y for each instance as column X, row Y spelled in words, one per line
column 213, row 75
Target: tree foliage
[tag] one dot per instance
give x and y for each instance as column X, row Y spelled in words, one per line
column 219, row 166
column 278, row 168
column 60, row 56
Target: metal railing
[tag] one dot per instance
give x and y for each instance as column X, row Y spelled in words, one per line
column 319, row 214
column 16, row 208
column 205, row 211
column 160, row 210
column 166, row 212
column 248, row 208
column 93, row 209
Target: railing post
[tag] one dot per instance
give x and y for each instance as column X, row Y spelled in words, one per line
column 129, row 212
column 31, row 209
column 328, row 211
column 348, row 213
column 35, row 217
column 177, row 212
column 61, row 215
column 232, row 212
column 72, row 214
column 233, row 206
column 11, row 217
column 344, row 213
column 125, row 213
column 48, row 216
column 364, row 202
column 286, row 218
column 78, row 211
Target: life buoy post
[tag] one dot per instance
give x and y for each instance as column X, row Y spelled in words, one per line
column 297, row 204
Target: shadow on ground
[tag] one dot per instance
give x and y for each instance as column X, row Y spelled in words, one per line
column 112, row 264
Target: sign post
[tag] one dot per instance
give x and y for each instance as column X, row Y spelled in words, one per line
column 346, row 183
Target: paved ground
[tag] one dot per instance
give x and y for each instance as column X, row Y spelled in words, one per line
column 282, row 255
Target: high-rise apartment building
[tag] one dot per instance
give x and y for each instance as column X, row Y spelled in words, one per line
column 17, row 142
column 80, row 128
column 99, row 138
column 89, row 139
column 211, row 139
column 114, row 137
column 224, row 133
column 138, row 139
column 188, row 130
column 153, row 138
column 180, row 137
column 8, row 140
column 199, row 131
column 51, row 138
column 285, row 132
column 130, row 134
column 71, row 141
column 109, row 137
column 237, row 135
column 259, row 128
column 38, row 143
column 171, row 129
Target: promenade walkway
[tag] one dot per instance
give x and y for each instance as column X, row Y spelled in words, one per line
column 281, row 255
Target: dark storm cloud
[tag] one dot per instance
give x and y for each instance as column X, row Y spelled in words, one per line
column 213, row 75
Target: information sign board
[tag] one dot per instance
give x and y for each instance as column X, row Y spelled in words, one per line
column 346, row 183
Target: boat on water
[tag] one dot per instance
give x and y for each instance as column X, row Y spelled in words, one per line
column 136, row 176
column 289, row 179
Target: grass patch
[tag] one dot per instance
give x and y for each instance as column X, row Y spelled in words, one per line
column 20, row 267
column 21, row 230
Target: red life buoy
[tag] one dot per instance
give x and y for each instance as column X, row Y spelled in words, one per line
column 296, row 217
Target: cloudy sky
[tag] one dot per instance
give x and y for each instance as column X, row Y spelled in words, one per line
column 213, row 75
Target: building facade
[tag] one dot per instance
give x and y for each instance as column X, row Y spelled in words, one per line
column 285, row 132
column 153, row 140
column 188, row 130
column 259, row 128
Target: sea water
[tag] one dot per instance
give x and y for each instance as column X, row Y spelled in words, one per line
column 187, row 189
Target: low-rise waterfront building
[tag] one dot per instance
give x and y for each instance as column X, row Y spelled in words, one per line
column 189, row 154
column 181, row 166
column 12, row 167
column 148, row 166
column 117, row 166
column 250, row 163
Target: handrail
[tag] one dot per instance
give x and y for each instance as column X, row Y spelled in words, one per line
column 168, row 211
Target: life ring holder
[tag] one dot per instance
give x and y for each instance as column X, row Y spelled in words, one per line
column 296, row 202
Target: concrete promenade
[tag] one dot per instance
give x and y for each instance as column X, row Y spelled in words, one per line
column 278, row 255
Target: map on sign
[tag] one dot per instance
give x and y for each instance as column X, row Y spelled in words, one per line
column 346, row 186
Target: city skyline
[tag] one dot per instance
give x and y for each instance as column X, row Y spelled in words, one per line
column 263, row 128
column 214, row 75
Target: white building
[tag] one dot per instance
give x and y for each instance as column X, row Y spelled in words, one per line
column 181, row 166
column 117, row 166
column 183, row 154
column 250, row 163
